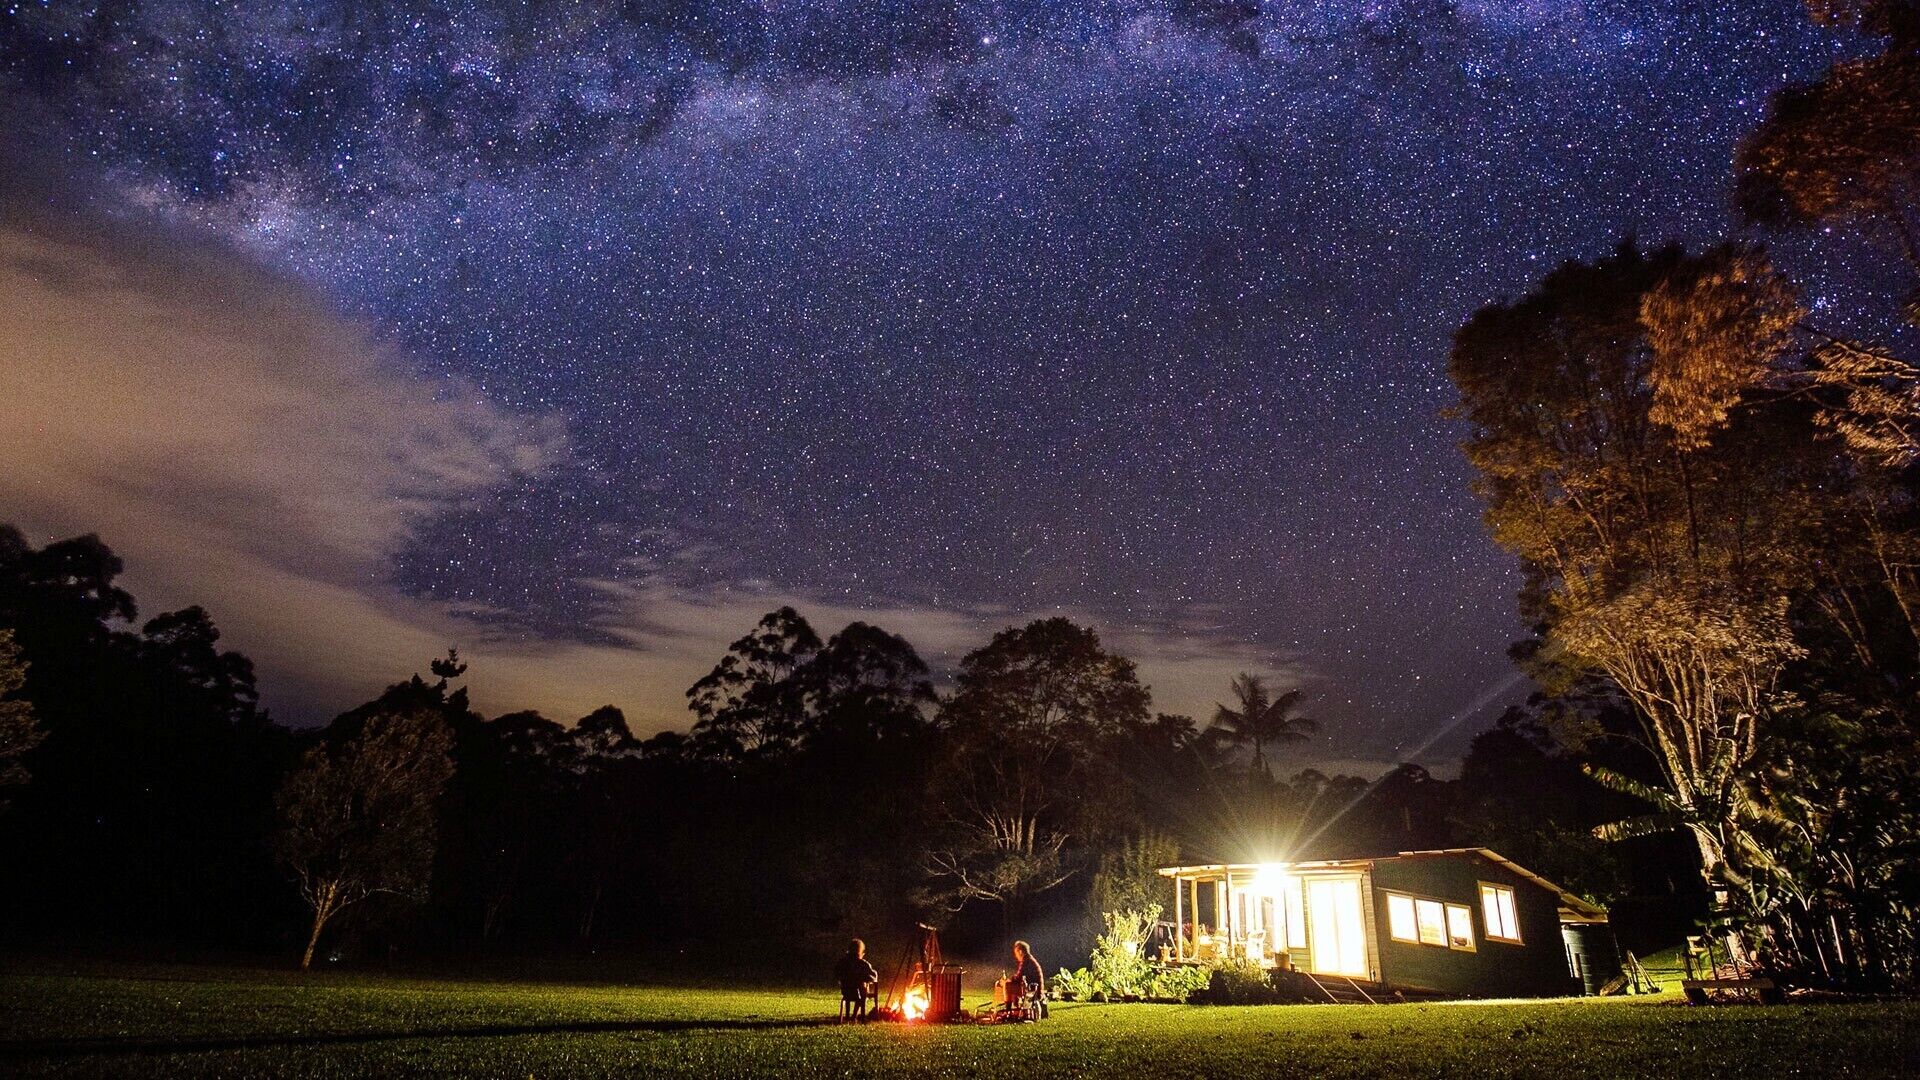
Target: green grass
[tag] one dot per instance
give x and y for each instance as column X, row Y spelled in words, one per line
column 127, row 1021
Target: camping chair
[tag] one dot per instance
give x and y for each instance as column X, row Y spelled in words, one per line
column 1018, row 1001
column 855, row 1008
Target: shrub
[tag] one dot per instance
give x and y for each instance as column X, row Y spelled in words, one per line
column 1238, row 982
column 1120, row 971
column 1178, row 983
column 1119, row 966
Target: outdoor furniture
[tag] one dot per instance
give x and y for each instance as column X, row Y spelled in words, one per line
column 855, row 1008
column 1018, row 1001
column 1709, row 979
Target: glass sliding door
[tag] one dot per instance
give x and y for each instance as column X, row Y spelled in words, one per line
column 1296, row 922
column 1336, row 927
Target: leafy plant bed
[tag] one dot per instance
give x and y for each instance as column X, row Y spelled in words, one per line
column 1119, row 972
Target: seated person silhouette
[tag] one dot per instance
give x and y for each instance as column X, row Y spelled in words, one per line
column 858, row 981
column 1027, row 986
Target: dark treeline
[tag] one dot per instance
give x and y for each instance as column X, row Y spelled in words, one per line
column 824, row 788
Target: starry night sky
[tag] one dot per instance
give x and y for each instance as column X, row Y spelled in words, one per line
column 1134, row 310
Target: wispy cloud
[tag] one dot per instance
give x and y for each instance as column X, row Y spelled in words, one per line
column 247, row 448
column 241, row 445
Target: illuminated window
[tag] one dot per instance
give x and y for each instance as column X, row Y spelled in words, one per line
column 1459, row 927
column 1433, row 922
column 1496, row 907
column 1419, row 921
column 1401, row 923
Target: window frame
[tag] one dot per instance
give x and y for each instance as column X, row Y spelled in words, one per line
column 1491, row 930
column 1413, row 910
column 1434, row 909
column 1473, row 942
column 1413, row 902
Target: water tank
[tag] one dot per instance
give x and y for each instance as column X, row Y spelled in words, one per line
column 1592, row 955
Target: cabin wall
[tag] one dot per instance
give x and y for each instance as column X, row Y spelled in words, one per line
column 1536, row 967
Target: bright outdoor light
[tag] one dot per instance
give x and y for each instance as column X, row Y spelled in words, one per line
column 1272, row 879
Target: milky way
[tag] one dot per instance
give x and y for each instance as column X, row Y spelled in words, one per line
column 1134, row 310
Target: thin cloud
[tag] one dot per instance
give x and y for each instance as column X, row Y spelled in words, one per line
column 244, row 447
column 240, row 444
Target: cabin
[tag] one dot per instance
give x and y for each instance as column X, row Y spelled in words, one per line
column 1463, row 922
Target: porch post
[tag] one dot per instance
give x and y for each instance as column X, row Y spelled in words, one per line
column 1226, row 909
column 1234, row 929
column 1179, row 923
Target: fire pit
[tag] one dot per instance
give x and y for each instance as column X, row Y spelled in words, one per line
column 925, row 988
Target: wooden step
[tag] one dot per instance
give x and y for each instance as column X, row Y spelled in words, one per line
column 1340, row 990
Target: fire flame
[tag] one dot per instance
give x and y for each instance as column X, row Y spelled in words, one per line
column 913, row 1005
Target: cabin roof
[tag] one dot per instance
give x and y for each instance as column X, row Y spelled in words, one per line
column 1573, row 908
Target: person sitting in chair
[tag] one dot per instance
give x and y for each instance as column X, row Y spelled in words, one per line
column 857, row 979
column 1028, row 983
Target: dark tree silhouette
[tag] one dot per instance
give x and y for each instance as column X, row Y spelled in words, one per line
column 603, row 734
column 18, row 731
column 748, row 704
column 866, row 686
column 1032, row 727
column 358, row 817
column 152, row 787
column 1258, row 719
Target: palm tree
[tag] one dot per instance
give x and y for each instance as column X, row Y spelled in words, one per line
column 1261, row 718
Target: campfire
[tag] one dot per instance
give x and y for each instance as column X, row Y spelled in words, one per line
column 913, row 1003
column 925, row 988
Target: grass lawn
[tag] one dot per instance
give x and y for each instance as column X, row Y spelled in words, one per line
column 126, row 1021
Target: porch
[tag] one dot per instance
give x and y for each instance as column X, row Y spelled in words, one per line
column 1314, row 917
